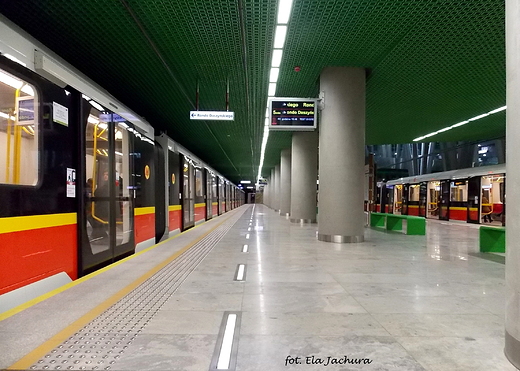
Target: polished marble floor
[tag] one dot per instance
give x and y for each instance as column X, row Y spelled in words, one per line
column 393, row 302
column 400, row 302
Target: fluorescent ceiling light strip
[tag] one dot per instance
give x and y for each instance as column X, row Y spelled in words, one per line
column 249, row 229
column 279, row 36
column 478, row 117
column 497, row 110
column 245, row 248
column 461, row 123
column 247, row 236
column 224, row 357
column 277, row 57
column 273, row 75
column 245, row 181
column 284, row 10
column 272, row 90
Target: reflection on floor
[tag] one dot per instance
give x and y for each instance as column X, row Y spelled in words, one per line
column 403, row 302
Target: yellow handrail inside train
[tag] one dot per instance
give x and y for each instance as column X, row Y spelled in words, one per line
column 17, row 142
column 94, row 174
column 8, row 155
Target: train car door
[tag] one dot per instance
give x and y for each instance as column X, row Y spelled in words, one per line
column 412, row 203
column 398, row 199
column 228, row 197
column 160, row 194
column 209, row 195
column 444, row 200
column 187, row 193
column 174, row 193
column 389, row 203
column 474, row 199
column 433, row 199
column 221, row 196
column 214, row 195
column 108, row 231
column 404, row 199
column 423, row 192
column 200, row 194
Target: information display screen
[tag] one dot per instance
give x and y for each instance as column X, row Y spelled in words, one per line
column 292, row 114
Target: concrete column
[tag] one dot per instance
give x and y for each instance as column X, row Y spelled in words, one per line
column 342, row 161
column 285, row 183
column 277, row 196
column 266, row 193
column 304, row 173
column 512, row 336
column 273, row 189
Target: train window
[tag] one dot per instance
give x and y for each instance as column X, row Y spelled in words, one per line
column 459, row 191
column 198, row 182
column 214, row 188
column 414, row 192
column 18, row 131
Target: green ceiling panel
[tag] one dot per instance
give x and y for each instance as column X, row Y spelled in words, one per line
column 430, row 64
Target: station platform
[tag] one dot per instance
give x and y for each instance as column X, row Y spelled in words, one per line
column 393, row 302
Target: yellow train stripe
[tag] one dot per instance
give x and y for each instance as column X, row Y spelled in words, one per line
column 26, row 361
column 144, row 210
column 26, row 223
column 458, row 208
column 413, row 206
column 200, row 205
column 215, row 203
column 174, row 207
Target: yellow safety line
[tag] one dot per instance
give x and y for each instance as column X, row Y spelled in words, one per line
column 25, row 223
column 144, row 210
column 30, row 358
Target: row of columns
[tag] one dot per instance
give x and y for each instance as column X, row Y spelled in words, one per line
column 341, row 167
column 291, row 188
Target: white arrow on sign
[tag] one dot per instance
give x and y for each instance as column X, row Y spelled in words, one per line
column 212, row 115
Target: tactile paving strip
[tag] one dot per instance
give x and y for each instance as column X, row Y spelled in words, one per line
column 100, row 344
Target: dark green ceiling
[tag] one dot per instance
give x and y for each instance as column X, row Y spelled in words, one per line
column 430, row 64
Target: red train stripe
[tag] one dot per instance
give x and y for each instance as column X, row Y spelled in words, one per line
column 31, row 255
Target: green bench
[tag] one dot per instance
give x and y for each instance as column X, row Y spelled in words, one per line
column 492, row 239
column 415, row 225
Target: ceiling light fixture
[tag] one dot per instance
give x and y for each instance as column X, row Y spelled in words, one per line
column 279, row 36
column 461, row 123
column 284, row 11
column 271, row 93
column 283, row 16
column 277, row 57
column 273, row 76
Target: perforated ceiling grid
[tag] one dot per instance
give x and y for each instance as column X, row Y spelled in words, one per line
column 431, row 63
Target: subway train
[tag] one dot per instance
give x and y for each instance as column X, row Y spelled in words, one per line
column 83, row 180
column 473, row 195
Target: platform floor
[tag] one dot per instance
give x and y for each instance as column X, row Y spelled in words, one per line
column 397, row 302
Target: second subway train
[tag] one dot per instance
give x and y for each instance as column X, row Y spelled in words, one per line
column 473, row 195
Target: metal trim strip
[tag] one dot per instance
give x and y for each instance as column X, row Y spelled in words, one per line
column 340, row 239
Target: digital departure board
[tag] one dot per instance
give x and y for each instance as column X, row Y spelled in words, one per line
column 293, row 114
